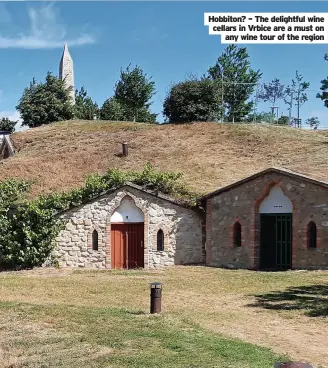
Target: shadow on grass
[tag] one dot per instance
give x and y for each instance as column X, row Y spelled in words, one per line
column 312, row 300
column 134, row 312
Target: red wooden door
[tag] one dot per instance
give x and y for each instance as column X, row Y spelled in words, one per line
column 134, row 245
column 117, row 246
column 127, row 245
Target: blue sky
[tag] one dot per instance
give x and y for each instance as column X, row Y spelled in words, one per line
column 167, row 39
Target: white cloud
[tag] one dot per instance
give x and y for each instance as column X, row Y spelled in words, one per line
column 12, row 115
column 45, row 32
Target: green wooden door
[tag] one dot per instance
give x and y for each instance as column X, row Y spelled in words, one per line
column 276, row 242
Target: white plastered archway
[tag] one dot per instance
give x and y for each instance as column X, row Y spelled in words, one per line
column 276, row 202
column 127, row 212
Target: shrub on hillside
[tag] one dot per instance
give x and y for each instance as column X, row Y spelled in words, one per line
column 29, row 228
column 113, row 110
column 7, row 125
column 193, row 100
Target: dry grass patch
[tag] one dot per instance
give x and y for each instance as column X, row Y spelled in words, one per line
column 203, row 309
column 210, row 155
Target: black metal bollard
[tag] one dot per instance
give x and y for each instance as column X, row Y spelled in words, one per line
column 292, row 365
column 155, row 297
column 124, row 149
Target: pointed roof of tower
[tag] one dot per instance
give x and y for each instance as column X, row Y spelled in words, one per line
column 66, row 56
column 66, row 52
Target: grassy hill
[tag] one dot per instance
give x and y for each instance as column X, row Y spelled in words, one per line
column 210, row 155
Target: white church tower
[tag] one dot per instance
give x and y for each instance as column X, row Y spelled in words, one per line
column 66, row 71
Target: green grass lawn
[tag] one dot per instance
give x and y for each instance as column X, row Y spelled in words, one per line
column 211, row 318
column 70, row 336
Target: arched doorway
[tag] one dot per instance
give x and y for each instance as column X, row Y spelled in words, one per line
column 127, row 236
column 276, row 217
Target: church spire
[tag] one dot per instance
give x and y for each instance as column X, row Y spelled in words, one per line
column 66, row 71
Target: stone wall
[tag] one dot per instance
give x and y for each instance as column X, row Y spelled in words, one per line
column 181, row 227
column 241, row 203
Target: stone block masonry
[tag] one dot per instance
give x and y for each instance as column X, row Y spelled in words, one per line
column 182, row 228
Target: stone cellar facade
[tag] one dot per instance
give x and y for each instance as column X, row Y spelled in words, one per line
column 272, row 220
column 130, row 228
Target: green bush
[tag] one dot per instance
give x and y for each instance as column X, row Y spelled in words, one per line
column 29, row 228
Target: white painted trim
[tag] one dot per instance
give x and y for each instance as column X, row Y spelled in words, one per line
column 127, row 212
column 276, row 202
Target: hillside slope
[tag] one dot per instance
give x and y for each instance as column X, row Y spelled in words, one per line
column 210, row 155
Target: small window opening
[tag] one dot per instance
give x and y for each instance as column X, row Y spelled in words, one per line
column 95, row 240
column 312, row 235
column 160, row 240
column 237, row 234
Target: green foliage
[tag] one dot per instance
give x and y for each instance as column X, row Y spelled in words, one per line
column 112, row 110
column 134, row 90
column 144, row 115
column 272, row 92
column 33, row 229
column 84, row 107
column 44, row 103
column 324, row 88
column 260, row 117
column 11, row 191
column 164, row 182
column 116, row 111
column 313, row 122
column 233, row 72
column 283, row 120
column 7, row 125
column 295, row 93
column 193, row 100
column 29, row 228
column 267, row 117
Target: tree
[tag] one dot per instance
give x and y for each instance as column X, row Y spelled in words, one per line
column 192, row 100
column 7, row 125
column 283, row 120
column 296, row 92
column 238, row 81
column 134, row 90
column 44, row 103
column 84, row 107
column 112, row 110
column 313, row 122
column 115, row 111
column 272, row 92
column 324, row 88
column 146, row 116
